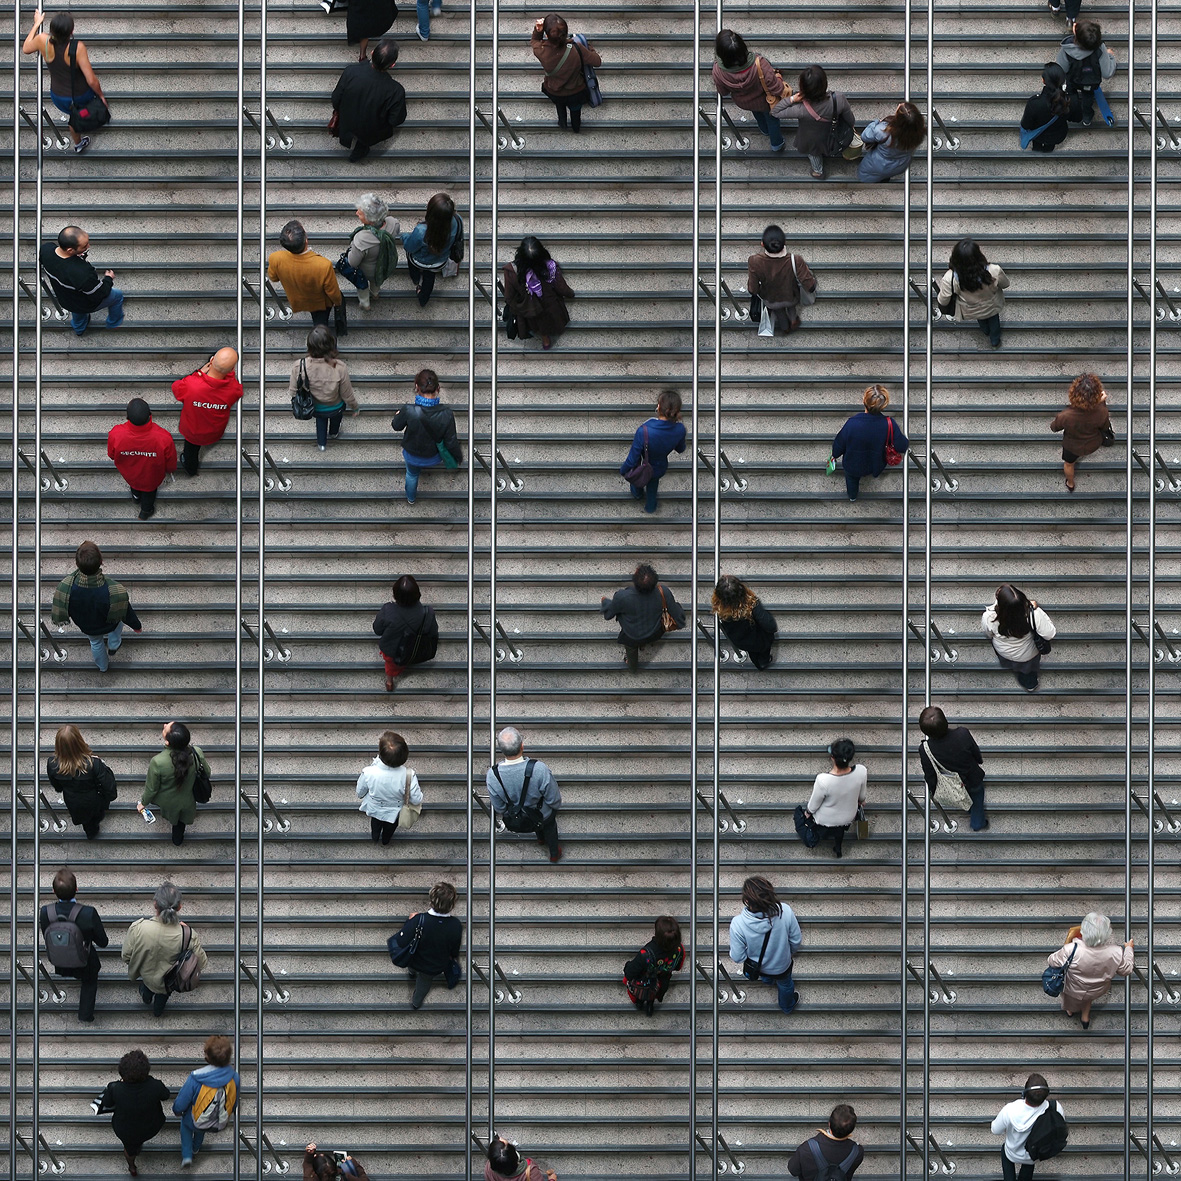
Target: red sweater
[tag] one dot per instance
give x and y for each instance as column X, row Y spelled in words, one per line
column 207, row 401
column 144, row 454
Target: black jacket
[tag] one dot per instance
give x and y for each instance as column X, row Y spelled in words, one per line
column 87, row 795
column 426, row 426
column 442, row 936
column 138, row 1115
column 754, row 635
column 1037, row 114
column 802, row 1163
column 370, row 102
column 397, row 628
column 77, row 285
column 639, row 615
column 89, row 923
column 958, row 753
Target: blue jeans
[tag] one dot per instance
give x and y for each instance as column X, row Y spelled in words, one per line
column 63, row 104
column 648, row 493
column 80, row 321
column 328, row 424
column 100, row 644
column 991, row 327
column 787, row 989
column 424, row 14
column 770, row 127
column 412, row 482
column 191, row 1137
column 977, row 815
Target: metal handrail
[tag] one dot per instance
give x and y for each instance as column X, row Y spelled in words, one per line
column 57, row 137
column 60, row 654
column 282, row 652
column 280, row 139
column 52, row 990
column 1174, row 481
column 1158, row 653
column 482, row 462
column 949, row 825
column 741, row 139
column 1164, row 122
column 512, row 482
column 736, row 309
column 952, row 653
column 56, row 1166
column 736, row 821
column 737, row 992
column 282, row 482
column 948, row 1166
column 736, row 1165
column 511, row 652
column 950, row 141
column 55, row 481
column 41, row 824
column 739, row 482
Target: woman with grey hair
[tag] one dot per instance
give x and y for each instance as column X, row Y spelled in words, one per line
column 1091, row 960
column 153, row 946
column 373, row 248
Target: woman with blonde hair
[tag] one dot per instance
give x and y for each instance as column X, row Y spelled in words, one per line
column 870, row 442
column 1092, row 960
column 1085, row 424
column 747, row 624
column 85, row 782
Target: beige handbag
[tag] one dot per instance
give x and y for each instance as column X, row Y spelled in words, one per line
column 409, row 813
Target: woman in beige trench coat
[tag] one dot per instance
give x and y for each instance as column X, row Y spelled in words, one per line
column 1096, row 961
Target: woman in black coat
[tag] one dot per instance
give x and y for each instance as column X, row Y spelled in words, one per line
column 369, row 18
column 85, row 782
column 861, row 443
column 440, row 936
column 536, row 292
column 1047, row 111
column 408, row 630
column 648, row 975
column 748, row 625
column 429, row 431
column 135, row 1101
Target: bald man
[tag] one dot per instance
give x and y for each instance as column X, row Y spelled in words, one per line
column 207, row 396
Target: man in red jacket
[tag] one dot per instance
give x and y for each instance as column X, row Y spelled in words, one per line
column 144, row 453
column 207, row 396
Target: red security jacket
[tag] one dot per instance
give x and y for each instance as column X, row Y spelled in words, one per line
column 144, row 454
column 207, row 402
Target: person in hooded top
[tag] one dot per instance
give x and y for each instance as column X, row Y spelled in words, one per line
column 750, row 81
column 536, row 291
column 1081, row 55
column 1046, row 112
column 206, row 396
column 767, row 933
column 505, row 1163
column 144, row 454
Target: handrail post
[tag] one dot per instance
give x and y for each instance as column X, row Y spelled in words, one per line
column 57, row 992
column 736, row 1165
column 1167, row 989
column 1174, row 311
column 252, row 120
column 741, row 139
column 498, row 994
column 249, row 801
column 949, row 825
column 1157, row 653
column 1171, row 1166
column 249, row 630
column 59, row 825
column 705, row 460
column 952, row 142
column 514, row 653
column 738, row 993
column 281, row 994
column 952, row 653
column 281, row 821
column 42, row 994
column 740, row 313
column 280, row 481
column 917, row 462
column 280, row 139
column 1174, row 481
column 480, row 628
column 250, row 459
column 736, row 821
column 281, row 1166
column 480, row 800
column 1160, row 115
column 54, row 481
column 708, row 291
column 482, row 289
column 1174, row 655
column 283, row 311
column 948, row 994
column 516, row 141
column 59, row 312
column 1143, row 122
column 698, row 1137
column 513, row 481
column 928, row 303
column 482, row 462
column 513, row 994
column 722, row 823
column 740, row 482
column 281, row 652
column 59, row 653
column 57, row 1167
column 948, row 1166
column 950, row 483
column 249, row 974
column 57, row 136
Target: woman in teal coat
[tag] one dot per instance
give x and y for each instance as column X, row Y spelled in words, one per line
column 171, row 776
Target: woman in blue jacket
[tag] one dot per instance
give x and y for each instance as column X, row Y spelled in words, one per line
column 861, row 442
column 206, row 1102
column 890, row 143
column 659, row 436
column 430, row 244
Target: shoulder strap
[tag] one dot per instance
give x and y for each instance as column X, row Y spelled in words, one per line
column 889, row 430
column 771, row 99
column 645, row 438
column 186, row 935
column 425, row 422
column 817, row 1155
column 561, row 62
column 847, row 1163
column 75, row 911
column 811, row 110
column 937, row 764
column 766, row 940
column 529, row 765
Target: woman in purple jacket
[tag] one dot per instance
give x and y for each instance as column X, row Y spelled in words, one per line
column 658, row 438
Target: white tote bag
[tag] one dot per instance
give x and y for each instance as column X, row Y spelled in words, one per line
column 949, row 788
column 766, row 322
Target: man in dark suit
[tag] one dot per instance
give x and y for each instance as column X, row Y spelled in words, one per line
column 65, row 886
column 955, row 750
column 369, row 103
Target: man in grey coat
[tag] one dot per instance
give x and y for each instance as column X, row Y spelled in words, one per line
column 506, row 787
column 640, row 610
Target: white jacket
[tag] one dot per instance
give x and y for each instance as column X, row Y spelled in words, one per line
column 382, row 790
column 835, row 798
column 1022, row 648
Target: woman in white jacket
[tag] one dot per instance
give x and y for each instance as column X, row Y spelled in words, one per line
column 387, row 786
column 1010, row 622
column 836, row 795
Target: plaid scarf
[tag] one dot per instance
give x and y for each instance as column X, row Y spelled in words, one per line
column 61, row 596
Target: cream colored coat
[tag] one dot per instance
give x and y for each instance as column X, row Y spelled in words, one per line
column 1090, row 973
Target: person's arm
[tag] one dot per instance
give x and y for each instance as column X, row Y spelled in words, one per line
column 1002, row 280
column 844, row 111
column 272, row 270
column 151, row 785
column 129, row 942
column 401, row 419
column 357, row 251
column 60, row 610
column 1063, row 61
column 1000, row 1125
column 98, row 934
column 863, row 794
column 590, row 55
column 551, row 792
column 752, row 276
column 674, row 608
column 83, row 60
column 816, row 799
column 737, row 943
column 875, row 133
column 786, row 107
column 197, row 950
column 973, row 749
column 455, row 940
column 804, row 275
column 451, row 439
column 346, row 388
column 1107, row 62
column 682, row 442
column 132, row 620
column 928, row 768
column 1128, row 961
column 946, row 289
column 901, row 442
column 795, row 937
column 170, row 454
column 363, row 784
column 1059, row 423
column 110, row 443
column 416, row 796
column 633, row 456
column 1045, row 625
column 379, row 623
column 610, row 610
column 715, row 75
column 840, row 442
column 185, row 1096
column 794, row 1164
column 291, row 381
column 561, row 286
column 764, row 620
column 635, row 968
column 35, row 40
column 204, row 763
column 495, row 791
column 1057, row 958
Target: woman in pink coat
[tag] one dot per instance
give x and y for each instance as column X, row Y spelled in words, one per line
column 1096, row 961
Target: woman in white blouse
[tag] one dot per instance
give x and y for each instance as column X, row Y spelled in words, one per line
column 1010, row 622
column 836, row 795
column 387, row 786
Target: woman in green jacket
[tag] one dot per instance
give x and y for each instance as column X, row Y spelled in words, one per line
column 171, row 776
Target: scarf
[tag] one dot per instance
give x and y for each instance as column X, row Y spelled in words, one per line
column 424, row 400
column 750, row 61
column 533, row 283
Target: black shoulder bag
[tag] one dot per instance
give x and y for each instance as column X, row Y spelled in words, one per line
column 303, row 405
column 750, row 969
column 401, row 956
column 1039, row 641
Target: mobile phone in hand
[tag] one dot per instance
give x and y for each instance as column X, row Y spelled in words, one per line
column 149, row 816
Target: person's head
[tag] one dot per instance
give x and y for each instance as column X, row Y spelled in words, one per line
column 134, row 1066
column 385, row 53
column 933, row 722
column 371, row 209
column 555, row 29
column 443, row 897
column 219, row 1050
column 667, row 934
column 426, row 382
column 1037, row 1090
column 293, row 237
column 668, row 405
column 65, row 885
column 392, row 749
column 1096, row 929
column 324, row 1166
column 71, row 751
column 406, row 592
column 61, row 29
column 531, row 256
column 1086, row 391
column 842, row 1120
column 875, row 399
column 510, row 742
column 139, row 413
column 1054, row 82
column 322, row 343
column 970, row 265
column 1087, row 34
column 440, row 213
column 177, row 739
column 907, row 127
column 843, row 752
column 758, row 896
column 88, row 558
column 730, row 49
column 503, row 1156
column 645, row 579
column 223, row 362
column 1012, row 611
column 73, row 240
column 167, row 900
column 814, row 83
column 774, row 240
column 733, row 599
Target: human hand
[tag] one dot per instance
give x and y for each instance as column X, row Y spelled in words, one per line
column 1033, row 603
column 139, row 807
column 38, row 17
column 355, row 413
column 311, row 1147
column 1130, row 943
column 413, row 916
column 109, row 274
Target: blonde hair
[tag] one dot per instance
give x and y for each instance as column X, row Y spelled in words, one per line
column 733, row 599
column 71, row 751
column 876, row 397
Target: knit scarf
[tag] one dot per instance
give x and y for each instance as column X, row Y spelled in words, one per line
column 533, row 283
column 750, row 61
column 424, row 400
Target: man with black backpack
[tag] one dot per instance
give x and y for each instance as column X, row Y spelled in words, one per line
column 830, row 1155
column 73, row 933
column 1034, row 1128
column 524, row 792
column 1088, row 64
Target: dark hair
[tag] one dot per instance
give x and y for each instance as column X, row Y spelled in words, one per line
column 293, row 237
column 933, row 722
column 69, row 237
column 322, row 343
column 907, row 127
column 531, row 256
column 1054, row 88
column 842, row 751
column 503, row 1157
column 842, row 1120
column 134, row 1066
column 440, row 212
column 1087, row 34
column 1036, row 1088
column 406, row 592
column 65, row 884
column 668, row 933
column 758, row 896
column 1085, row 391
column 139, row 413
column 970, row 265
column 88, row 558
column 324, row 1165
column 814, row 83
column 733, row 599
column 180, row 750
column 61, row 28
column 426, row 381
column 219, row 1050
column 385, row 53
column 442, row 897
column 555, row 28
column 392, row 749
column 774, row 239
column 730, row 49
column 645, row 579
column 668, row 405
column 1012, row 611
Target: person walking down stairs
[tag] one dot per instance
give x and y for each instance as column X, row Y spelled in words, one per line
column 389, row 790
column 764, row 938
column 505, row 1163
column 972, row 288
column 890, row 144
column 434, row 939
column 1085, row 423
column 867, row 443
column 133, row 1101
column 372, row 252
column 816, row 108
column 429, row 437
column 648, row 975
column 779, row 281
column 837, row 795
column 831, row 1146
column 368, row 104
column 1020, row 632
column 955, row 750
column 408, row 630
column 535, row 292
column 645, row 610
column 323, row 1166
column 563, row 60
column 434, row 247
column 307, row 278
column 327, row 376
column 654, row 441
column 1015, row 1121
column 143, row 453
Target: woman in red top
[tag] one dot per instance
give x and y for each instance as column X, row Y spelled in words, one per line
column 207, row 396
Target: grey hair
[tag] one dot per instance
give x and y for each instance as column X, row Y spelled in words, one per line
column 167, row 903
column 510, row 741
column 1096, row 929
column 374, row 209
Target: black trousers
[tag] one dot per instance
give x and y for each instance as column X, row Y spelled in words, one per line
column 549, row 834
column 423, row 280
column 382, row 830
column 145, row 500
column 1009, row 1170
column 88, row 993
column 190, row 457
column 156, row 999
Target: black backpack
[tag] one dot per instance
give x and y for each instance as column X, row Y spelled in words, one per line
column 419, row 646
column 1048, row 1135
column 66, row 946
column 1083, row 73
column 517, row 817
column 825, row 1169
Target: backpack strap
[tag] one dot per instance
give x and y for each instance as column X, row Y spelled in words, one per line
column 817, row 1155
column 562, row 62
column 529, row 765
column 848, row 1162
column 186, row 934
column 75, row 911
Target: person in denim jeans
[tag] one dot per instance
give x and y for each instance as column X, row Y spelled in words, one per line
column 427, row 9
column 750, row 81
column 72, row 80
column 659, row 437
column 97, row 604
column 77, row 286
column 328, row 378
column 766, row 932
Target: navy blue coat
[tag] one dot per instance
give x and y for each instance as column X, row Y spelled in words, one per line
column 862, row 444
column 664, row 437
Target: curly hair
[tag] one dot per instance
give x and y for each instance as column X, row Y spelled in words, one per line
column 733, row 599
column 1085, row 391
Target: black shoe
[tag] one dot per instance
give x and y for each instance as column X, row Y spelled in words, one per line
column 135, row 496
column 649, row 1007
column 837, row 851
column 146, row 513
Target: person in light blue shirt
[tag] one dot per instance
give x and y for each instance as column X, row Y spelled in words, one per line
column 660, row 436
column 765, row 922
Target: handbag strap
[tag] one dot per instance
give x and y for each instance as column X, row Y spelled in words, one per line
column 562, row 61
column 1073, row 949
column 938, row 765
column 889, row 431
column 406, row 800
column 763, row 950
column 646, row 448
column 663, row 601
column 771, row 99
column 1033, row 622
column 811, row 110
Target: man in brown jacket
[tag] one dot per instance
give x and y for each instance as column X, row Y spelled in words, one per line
column 308, row 280
column 777, row 280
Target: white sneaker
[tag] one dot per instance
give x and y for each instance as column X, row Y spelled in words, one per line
column 419, row 32
column 327, row 6
column 436, row 10
column 363, row 297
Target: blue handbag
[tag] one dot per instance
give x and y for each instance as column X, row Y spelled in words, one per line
column 1054, row 979
column 1027, row 137
column 588, row 74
